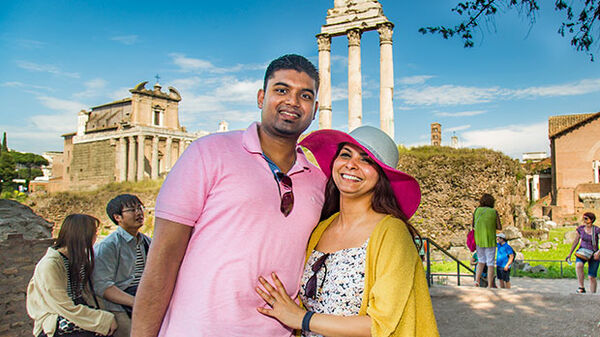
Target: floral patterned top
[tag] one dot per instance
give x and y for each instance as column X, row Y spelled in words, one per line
column 340, row 282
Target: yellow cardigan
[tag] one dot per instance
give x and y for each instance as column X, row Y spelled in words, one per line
column 396, row 296
column 47, row 298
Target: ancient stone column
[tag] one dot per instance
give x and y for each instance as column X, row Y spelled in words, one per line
column 386, row 73
column 122, row 162
column 354, row 80
column 131, row 164
column 181, row 147
column 154, row 164
column 140, row 158
column 324, row 41
column 168, row 150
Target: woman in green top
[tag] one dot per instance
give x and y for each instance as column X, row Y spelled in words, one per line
column 485, row 222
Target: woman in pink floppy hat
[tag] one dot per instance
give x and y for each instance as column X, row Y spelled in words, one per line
column 363, row 275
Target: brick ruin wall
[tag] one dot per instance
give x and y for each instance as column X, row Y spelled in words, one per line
column 18, row 258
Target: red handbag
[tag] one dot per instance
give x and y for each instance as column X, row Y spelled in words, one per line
column 471, row 241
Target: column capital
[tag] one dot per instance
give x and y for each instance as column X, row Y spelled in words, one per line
column 385, row 32
column 324, row 42
column 354, row 37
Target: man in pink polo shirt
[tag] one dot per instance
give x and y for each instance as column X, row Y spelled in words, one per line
column 235, row 206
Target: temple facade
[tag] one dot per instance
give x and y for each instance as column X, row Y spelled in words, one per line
column 132, row 139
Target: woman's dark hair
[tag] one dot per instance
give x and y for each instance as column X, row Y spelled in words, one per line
column 590, row 216
column 77, row 235
column 383, row 201
column 487, row 200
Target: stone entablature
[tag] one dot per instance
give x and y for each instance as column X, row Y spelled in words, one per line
column 349, row 14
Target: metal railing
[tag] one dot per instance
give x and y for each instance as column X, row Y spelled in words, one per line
column 429, row 274
column 429, row 243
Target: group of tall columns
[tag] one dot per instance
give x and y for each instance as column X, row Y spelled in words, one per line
column 132, row 158
column 386, row 109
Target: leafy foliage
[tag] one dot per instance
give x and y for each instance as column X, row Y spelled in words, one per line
column 7, row 170
column 578, row 23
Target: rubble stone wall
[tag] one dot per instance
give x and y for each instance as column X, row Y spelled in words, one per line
column 18, row 258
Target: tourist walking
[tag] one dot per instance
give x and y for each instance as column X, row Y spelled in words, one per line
column 485, row 223
column 587, row 238
column 504, row 260
column 59, row 296
column 363, row 275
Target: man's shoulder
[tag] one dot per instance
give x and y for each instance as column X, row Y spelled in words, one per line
column 218, row 138
column 111, row 240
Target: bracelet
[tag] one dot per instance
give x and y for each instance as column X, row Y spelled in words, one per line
column 306, row 320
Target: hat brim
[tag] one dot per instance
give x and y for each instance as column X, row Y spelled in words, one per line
column 323, row 144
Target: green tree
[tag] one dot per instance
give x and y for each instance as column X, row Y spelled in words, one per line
column 578, row 22
column 31, row 161
column 4, row 144
column 7, row 171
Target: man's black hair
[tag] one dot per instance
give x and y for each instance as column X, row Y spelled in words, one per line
column 116, row 205
column 294, row 62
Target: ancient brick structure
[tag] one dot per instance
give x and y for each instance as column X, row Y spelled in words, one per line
column 436, row 134
column 18, row 258
column 131, row 139
column 575, row 153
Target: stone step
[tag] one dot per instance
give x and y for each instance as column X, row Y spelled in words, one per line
column 470, row 311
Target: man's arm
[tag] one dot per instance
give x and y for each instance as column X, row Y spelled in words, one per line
column 118, row 296
column 511, row 258
column 158, row 281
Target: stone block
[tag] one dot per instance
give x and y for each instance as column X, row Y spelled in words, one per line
column 539, row 269
column 12, row 271
column 569, row 237
column 517, row 245
column 512, row 232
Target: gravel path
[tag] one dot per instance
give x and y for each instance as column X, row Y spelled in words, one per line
column 534, row 307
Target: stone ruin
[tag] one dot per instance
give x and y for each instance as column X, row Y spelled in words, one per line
column 20, row 219
column 24, row 239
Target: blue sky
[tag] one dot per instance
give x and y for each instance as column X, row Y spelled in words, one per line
column 61, row 56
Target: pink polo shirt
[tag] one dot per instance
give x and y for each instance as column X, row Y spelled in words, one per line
column 225, row 190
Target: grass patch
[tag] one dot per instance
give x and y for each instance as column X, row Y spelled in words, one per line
column 554, row 268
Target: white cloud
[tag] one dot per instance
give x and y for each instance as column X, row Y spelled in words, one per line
column 460, row 113
column 462, row 95
column 61, row 104
column 512, row 140
column 448, row 95
column 94, row 88
column 189, row 64
column 411, row 80
column 125, row 39
column 339, row 93
column 238, row 90
column 17, row 84
column 119, row 93
column 582, row 87
column 46, row 68
column 458, row 128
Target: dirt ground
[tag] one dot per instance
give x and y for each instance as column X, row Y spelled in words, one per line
column 534, row 307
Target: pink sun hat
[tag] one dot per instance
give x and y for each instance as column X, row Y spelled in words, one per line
column 381, row 148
